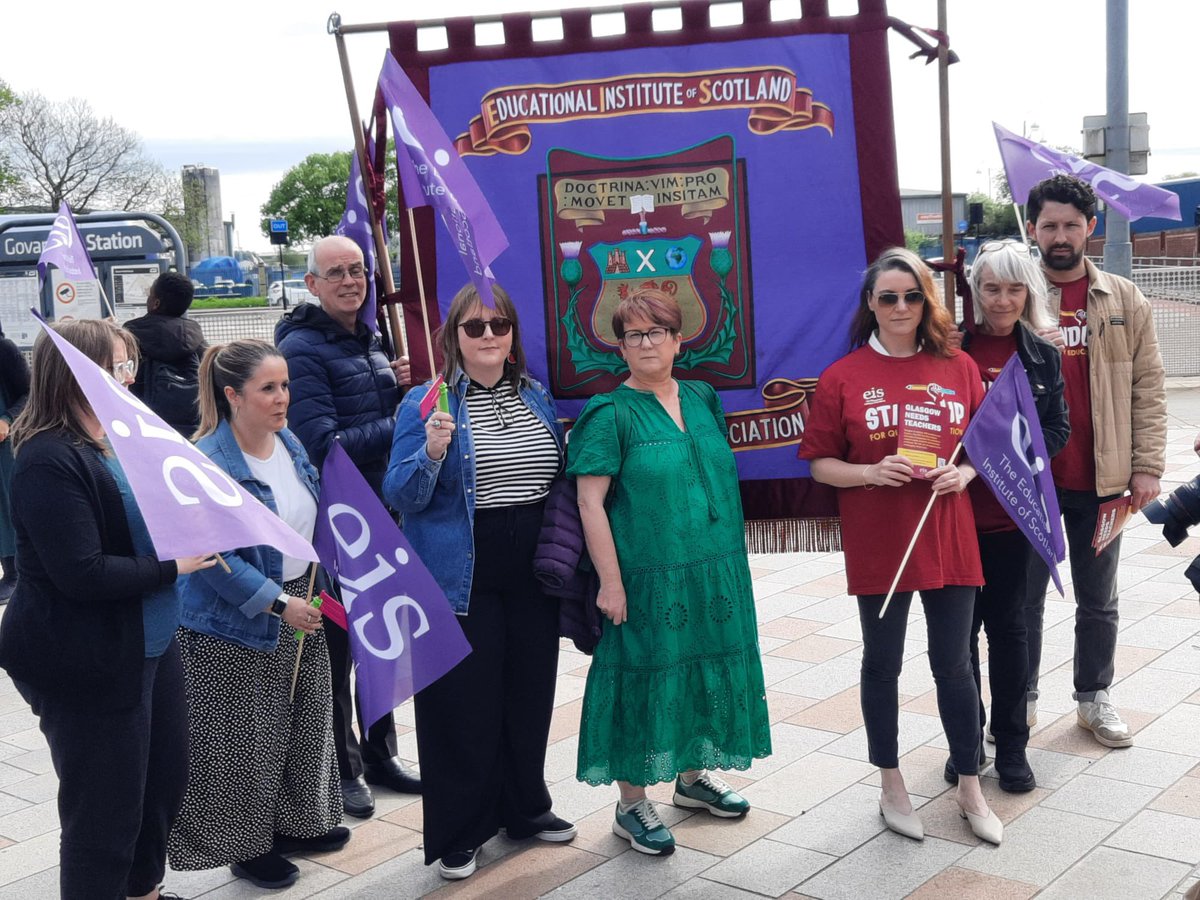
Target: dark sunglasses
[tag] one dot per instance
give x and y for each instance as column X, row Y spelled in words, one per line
column 891, row 298
column 500, row 326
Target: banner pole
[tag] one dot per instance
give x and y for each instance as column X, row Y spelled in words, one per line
column 312, row 582
column 412, row 230
column 913, row 543
column 360, row 148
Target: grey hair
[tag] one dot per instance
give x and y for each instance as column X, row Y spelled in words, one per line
column 318, row 244
column 1010, row 261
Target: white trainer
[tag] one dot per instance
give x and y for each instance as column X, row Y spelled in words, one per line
column 1101, row 718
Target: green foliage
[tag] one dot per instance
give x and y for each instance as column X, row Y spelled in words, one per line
column 999, row 217
column 914, row 240
column 312, row 195
column 202, row 303
column 7, row 99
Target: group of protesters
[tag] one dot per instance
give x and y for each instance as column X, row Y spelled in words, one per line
column 121, row 655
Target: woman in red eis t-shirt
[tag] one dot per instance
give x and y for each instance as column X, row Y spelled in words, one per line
column 900, row 358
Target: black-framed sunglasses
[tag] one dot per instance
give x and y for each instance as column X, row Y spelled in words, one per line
column 499, row 326
column 891, row 298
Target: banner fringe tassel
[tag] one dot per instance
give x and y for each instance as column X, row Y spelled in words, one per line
column 794, row 535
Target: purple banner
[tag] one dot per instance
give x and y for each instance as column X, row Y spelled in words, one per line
column 1027, row 162
column 356, row 225
column 191, row 506
column 431, row 172
column 403, row 634
column 65, row 249
column 1005, row 445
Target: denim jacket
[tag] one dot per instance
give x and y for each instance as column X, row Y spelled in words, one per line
column 232, row 605
column 436, row 498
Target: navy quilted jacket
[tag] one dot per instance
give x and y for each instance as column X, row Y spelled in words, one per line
column 341, row 386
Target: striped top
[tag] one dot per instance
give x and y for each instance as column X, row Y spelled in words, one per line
column 516, row 456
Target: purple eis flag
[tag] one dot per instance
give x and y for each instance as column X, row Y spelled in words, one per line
column 65, row 249
column 356, row 225
column 403, row 634
column 191, row 505
column 1027, row 162
column 1005, row 445
column 432, row 172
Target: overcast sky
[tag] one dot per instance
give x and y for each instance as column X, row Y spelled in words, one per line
column 254, row 87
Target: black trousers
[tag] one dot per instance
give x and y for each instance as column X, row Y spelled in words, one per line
column 482, row 727
column 379, row 742
column 121, row 777
column 948, row 613
column 1000, row 608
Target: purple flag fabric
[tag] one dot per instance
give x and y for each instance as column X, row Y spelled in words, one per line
column 432, row 173
column 191, row 506
column 1005, row 445
column 65, row 249
column 356, row 225
column 1027, row 162
column 403, row 634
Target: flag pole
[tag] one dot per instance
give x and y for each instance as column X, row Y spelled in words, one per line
column 360, row 149
column 913, row 543
column 412, row 230
column 312, row 582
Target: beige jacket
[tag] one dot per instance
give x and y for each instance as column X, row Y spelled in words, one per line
column 1129, row 402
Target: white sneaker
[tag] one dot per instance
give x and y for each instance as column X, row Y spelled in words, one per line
column 1101, row 718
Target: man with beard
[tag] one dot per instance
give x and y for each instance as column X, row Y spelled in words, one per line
column 343, row 388
column 1118, row 411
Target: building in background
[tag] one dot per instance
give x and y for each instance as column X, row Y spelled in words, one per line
column 205, row 231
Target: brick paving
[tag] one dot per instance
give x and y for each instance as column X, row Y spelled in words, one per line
column 1102, row 823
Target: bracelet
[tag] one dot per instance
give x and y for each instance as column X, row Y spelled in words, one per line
column 866, row 484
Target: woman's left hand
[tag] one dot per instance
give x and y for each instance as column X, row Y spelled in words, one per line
column 4, row 429
column 950, row 479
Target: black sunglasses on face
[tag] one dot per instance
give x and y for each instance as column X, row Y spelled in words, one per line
column 891, row 298
column 499, row 326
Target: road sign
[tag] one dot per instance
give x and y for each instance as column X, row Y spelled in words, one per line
column 279, row 225
column 279, row 231
column 962, row 224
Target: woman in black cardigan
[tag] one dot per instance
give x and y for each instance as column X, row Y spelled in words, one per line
column 89, row 635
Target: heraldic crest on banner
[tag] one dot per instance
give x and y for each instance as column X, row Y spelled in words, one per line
column 676, row 222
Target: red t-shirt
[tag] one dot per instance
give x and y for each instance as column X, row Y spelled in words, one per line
column 853, row 418
column 1075, row 467
column 990, row 353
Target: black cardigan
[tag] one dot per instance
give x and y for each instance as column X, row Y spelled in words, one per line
column 74, row 624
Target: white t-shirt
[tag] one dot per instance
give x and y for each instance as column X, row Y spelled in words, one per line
column 293, row 502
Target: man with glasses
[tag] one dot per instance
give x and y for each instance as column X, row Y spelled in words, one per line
column 343, row 387
column 1118, row 410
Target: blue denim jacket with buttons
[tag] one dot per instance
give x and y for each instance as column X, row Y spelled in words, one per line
column 232, row 605
column 436, row 498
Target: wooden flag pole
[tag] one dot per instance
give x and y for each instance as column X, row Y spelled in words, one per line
column 913, row 543
column 412, row 230
column 312, row 582
column 360, row 148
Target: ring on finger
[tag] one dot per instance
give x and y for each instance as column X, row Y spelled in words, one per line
column 437, row 423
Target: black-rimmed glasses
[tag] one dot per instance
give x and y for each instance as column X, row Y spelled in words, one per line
column 633, row 339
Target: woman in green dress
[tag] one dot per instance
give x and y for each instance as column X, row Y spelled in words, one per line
column 676, row 686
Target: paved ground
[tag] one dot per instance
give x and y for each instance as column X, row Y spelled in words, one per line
column 1102, row 823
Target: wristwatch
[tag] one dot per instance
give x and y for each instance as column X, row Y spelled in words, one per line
column 278, row 605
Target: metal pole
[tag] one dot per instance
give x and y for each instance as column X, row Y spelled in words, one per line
column 1118, row 251
column 282, row 279
column 360, row 148
column 947, row 196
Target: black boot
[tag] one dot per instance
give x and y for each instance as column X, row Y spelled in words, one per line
column 951, row 775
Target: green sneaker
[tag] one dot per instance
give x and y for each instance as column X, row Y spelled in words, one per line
column 711, row 793
column 645, row 831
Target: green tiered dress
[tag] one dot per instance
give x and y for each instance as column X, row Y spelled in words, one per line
column 679, row 685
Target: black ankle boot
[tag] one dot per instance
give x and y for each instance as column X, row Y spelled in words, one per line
column 267, row 871
column 1012, row 767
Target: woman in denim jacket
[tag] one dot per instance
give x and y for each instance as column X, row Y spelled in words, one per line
column 471, row 484
column 260, row 761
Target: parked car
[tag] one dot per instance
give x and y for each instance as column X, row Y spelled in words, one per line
column 294, row 288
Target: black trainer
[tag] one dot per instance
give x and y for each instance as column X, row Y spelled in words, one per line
column 1012, row 767
column 267, row 871
column 951, row 774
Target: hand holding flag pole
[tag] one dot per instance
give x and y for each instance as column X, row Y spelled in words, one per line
column 913, row 543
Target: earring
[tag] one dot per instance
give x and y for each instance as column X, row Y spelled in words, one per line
column 512, row 359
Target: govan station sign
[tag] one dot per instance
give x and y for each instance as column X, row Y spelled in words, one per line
column 103, row 239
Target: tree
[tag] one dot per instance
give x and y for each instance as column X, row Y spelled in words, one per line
column 999, row 218
column 312, row 195
column 7, row 178
column 63, row 151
